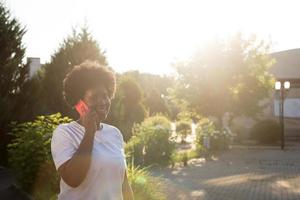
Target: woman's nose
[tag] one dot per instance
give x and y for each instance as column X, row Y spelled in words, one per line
column 103, row 101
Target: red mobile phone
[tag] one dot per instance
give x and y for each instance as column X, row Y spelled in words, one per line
column 81, row 108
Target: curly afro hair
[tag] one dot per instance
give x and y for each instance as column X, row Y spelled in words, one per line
column 85, row 76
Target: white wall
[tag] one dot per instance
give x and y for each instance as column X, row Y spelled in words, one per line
column 291, row 107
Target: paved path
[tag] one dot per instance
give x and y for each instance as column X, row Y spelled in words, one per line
column 242, row 173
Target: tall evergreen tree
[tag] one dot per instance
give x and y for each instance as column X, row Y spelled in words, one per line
column 12, row 72
column 154, row 88
column 127, row 107
column 80, row 46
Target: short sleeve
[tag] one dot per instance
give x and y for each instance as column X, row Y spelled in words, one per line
column 123, row 146
column 120, row 138
column 62, row 148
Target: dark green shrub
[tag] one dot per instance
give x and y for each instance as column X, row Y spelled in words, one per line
column 135, row 151
column 240, row 132
column 179, row 157
column 183, row 157
column 158, row 120
column 266, row 131
column 30, row 153
column 218, row 139
column 151, row 142
column 205, row 128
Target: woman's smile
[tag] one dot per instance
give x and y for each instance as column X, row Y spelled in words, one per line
column 102, row 111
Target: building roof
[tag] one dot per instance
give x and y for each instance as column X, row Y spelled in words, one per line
column 287, row 64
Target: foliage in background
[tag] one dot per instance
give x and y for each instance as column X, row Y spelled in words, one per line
column 183, row 129
column 13, row 73
column 189, row 116
column 241, row 132
column 127, row 107
column 226, row 76
column 151, row 142
column 30, row 153
column 30, row 158
column 144, row 185
column 219, row 139
column 29, row 100
column 155, row 92
column 78, row 47
column 205, row 128
column 266, row 131
column 182, row 157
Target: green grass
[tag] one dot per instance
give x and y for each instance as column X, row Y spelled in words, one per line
column 145, row 186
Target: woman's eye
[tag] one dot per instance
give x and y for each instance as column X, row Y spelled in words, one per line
column 97, row 97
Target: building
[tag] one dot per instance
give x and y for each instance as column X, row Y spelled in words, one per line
column 34, row 65
column 286, row 68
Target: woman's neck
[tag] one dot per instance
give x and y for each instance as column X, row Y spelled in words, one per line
column 79, row 121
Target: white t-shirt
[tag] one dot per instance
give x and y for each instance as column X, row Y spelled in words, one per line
column 106, row 173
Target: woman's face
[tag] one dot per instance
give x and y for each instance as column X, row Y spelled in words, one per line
column 98, row 99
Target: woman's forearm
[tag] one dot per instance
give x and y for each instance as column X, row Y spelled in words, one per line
column 74, row 170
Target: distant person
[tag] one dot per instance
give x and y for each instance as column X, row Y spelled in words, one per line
column 89, row 154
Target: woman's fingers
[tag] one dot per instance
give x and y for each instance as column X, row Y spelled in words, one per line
column 90, row 121
column 95, row 119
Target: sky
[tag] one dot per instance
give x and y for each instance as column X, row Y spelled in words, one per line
column 150, row 36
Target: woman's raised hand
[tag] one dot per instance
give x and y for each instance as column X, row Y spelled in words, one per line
column 90, row 122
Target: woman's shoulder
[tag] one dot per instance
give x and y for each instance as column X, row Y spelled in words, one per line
column 113, row 129
column 110, row 127
column 64, row 128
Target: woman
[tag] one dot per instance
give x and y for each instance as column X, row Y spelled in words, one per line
column 89, row 154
